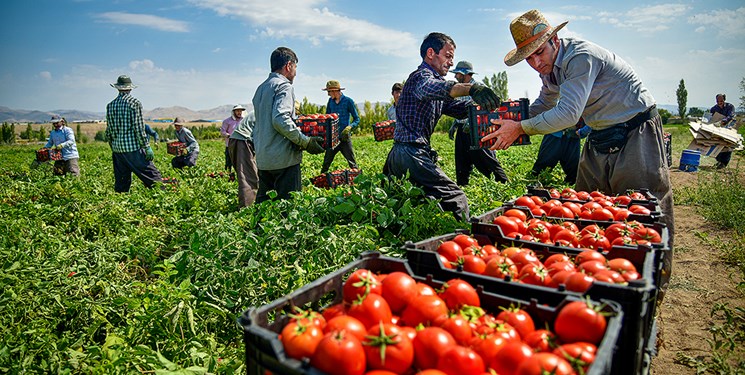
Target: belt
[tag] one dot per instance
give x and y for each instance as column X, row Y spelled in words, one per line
column 642, row 117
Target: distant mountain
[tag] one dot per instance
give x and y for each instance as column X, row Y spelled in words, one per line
column 35, row 116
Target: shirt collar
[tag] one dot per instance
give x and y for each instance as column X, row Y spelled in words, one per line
column 424, row 65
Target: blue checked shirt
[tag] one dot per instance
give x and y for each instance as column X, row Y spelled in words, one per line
column 125, row 130
column 346, row 108
column 425, row 97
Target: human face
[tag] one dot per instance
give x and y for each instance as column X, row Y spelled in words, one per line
column 443, row 61
column 238, row 113
column 396, row 95
column 720, row 101
column 291, row 69
column 58, row 124
column 334, row 94
column 542, row 60
column 178, row 127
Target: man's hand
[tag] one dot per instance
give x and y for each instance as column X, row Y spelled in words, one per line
column 506, row 134
column 451, row 132
column 56, row 147
column 484, row 96
column 314, row 146
column 149, row 155
column 345, row 133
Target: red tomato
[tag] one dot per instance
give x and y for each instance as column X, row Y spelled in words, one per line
column 309, row 316
column 591, row 229
column 583, row 195
column 617, row 230
column 647, row 234
column 561, row 211
column 523, row 258
column 539, row 231
column 458, row 293
column 537, row 200
column 639, row 209
column 557, row 267
column 359, row 284
column 510, row 357
column 424, row 290
column 540, row 340
column 459, row 328
column 594, row 241
column 487, row 345
column 576, row 208
column 300, row 339
column 334, row 311
column 450, row 250
column 621, row 265
column 590, row 267
column 459, row 360
column 473, row 263
column 602, row 214
column 621, row 215
column 398, row 289
column 580, row 321
column 501, row 267
column 534, row 274
column 518, row 318
column 429, row 344
column 622, row 200
column 465, row 241
column 578, row 282
column 565, row 235
column 507, row 224
column 553, row 258
column 371, row 310
column 339, row 353
column 388, row 348
column 517, row 214
column 525, row 201
column 543, row 363
column 425, row 310
column 346, row 323
column 431, row 372
column 589, row 255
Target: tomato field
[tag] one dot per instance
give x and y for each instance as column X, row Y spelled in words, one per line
column 154, row 280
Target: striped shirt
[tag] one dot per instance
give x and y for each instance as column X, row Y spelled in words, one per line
column 344, row 109
column 425, row 97
column 125, row 129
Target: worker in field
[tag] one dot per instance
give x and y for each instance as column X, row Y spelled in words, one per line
column 185, row 136
column 152, row 133
column 349, row 118
column 63, row 138
column 625, row 149
column 243, row 158
column 728, row 111
column 425, row 97
column 396, row 93
column 227, row 128
column 130, row 146
column 484, row 160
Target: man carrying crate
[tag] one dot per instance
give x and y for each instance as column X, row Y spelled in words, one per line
column 343, row 106
column 185, row 136
column 63, row 138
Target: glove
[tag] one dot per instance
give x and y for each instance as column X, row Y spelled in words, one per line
column 345, row 133
column 56, row 147
column 451, row 132
column 149, row 155
column 484, row 96
column 314, row 146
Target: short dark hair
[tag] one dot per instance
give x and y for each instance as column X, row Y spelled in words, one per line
column 397, row 87
column 435, row 41
column 724, row 97
column 281, row 56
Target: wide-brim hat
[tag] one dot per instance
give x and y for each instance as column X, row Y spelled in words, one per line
column 529, row 31
column 56, row 118
column 463, row 67
column 179, row 121
column 238, row 106
column 123, row 83
column 333, row 85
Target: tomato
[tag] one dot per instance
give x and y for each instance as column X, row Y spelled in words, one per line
column 308, row 316
column 506, row 224
column 579, row 282
column 339, row 353
column 580, row 321
column 534, row 275
column 359, row 284
column 398, row 289
column 561, row 211
column 621, row 265
column 429, row 344
column 431, row 372
column 380, row 372
column 583, row 195
column 488, row 250
column 388, row 348
column 590, row 267
column 371, row 310
column 617, row 230
column 538, row 212
column 553, row 258
column 551, row 203
column 647, row 234
column 459, row 327
column 639, row 209
column 557, row 267
column 458, row 293
column 537, row 200
column 487, row 345
column 518, row 318
column 473, row 263
column 450, row 250
column 540, row 340
column 622, row 200
column 588, row 255
column 465, row 241
column 602, row 214
column 621, row 215
column 459, row 360
column 560, row 277
column 566, row 235
column 595, row 241
column 525, row 201
column 346, row 323
column 424, row 290
column 334, row 311
column 545, row 363
column 517, row 214
column 576, row 208
column 501, row 267
column 609, row 276
column 539, row 231
column 425, row 310
column 569, row 225
column 523, row 258
column 631, row 275
column 510, row 357
column 300, row 339
column 591, row 229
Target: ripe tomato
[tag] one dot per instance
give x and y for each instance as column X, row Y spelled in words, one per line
column 622, row 200
column 371, row 310
column 431, row 371
column 557, row 267
column 458, row 293
column 465, row 241
column 553, row 258
column 589, row 255
column 525, row 201
column 459, row 360
column 308, row 316
column 518, row 318
column 580, row 321
column 300, row 339
column 450, row 250
column 595, row 241
column 609, row 276
column 579, row 282
column 506, row 224
column 501, row 267
column 487, row 345
column 459, row 328
column 334, row 311
column 429, row 344
column 398, row 289
column 542, row 363
column 565, row 235
column 339, row 353
column 510, row 357
column 523, row 258
column 621, row 265
column 359, row 284
column 590, row 267
column 424, row 290
column 639, row 209
column 561, row 211
column 540, row 340
column 621, row 214
column 473, row 263
column 534, row 274
column 592, row 228
column 346, row 323
column 539, row 231
column 647, row 234
column 388, row 348
column 602, row 214
column 583, row 195
column 425, row 310
column 517, row 214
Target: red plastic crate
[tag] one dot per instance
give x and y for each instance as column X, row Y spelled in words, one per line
column 383, row 130
column 177, row 148
column 325, row 126
column 481, row 125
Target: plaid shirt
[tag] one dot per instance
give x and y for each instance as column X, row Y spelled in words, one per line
column 425, row 97
column 125, row 130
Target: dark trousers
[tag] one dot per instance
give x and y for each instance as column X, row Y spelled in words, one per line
column 243, row 158
column 126, row 163
column 724, row 157
column 284, row 181
column 418, row 163
column 562, row 150
column 345, row 146
column 484, row 160
column 228, row 162
column 188, row 160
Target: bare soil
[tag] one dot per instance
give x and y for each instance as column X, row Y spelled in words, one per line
column 699, row 281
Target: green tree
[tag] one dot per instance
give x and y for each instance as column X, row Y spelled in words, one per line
column 695, row 112
column 742, row 90
column 498, row 83
column 42, row 134
column 665, row 115
column 682, row 95
column 78, row 134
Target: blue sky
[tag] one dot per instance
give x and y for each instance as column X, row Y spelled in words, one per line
column 63, row 54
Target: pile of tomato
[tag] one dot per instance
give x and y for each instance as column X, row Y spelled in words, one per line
column 594, row 205
column 383, row 130
column 46, row 154
column 392, row 324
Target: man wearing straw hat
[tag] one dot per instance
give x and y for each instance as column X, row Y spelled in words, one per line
column 125, row 132
column 625, row 149
column 343, row 106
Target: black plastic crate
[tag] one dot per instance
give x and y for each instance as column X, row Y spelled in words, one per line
column 637, row 299
column 47, row 154
column 261, row 325
column 649, row 202
column 325, row 126
column 481, row 125
column 383, row 130
column 336, row 178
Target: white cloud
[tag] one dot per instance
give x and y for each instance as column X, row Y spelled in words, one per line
column 146, row 20
column 728, row 23
column 144, row 66
column 45, row 75
column 646, row 19
column 307, row 20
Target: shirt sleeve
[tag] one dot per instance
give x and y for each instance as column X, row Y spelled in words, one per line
column 139, row 125
column 282, row 121
column 69, row 138
column 354, row 113
column 190, row 140
column 224, row 128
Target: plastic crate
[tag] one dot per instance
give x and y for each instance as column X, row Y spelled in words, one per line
column 47, row 154
column 383, row 130
column 333, row 179
column 177, row 148
column 261, row 325
column 325, row 126
column 481, row 125
column 650, row 199
column 637, row 299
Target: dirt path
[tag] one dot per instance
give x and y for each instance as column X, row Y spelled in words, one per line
column 699, row 281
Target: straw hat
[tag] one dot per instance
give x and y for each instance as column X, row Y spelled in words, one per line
column 123, row 83
column 179, row 121
column 529, row 31
column 333, row 85
column 463, row 67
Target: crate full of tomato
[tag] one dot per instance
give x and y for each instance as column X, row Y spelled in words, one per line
column 333, row 179
column 47, row 154
column 480, row 121
column 383, row 130
column 321, row 125
column 377, row 314
column 176, row 148
column 642, row 197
